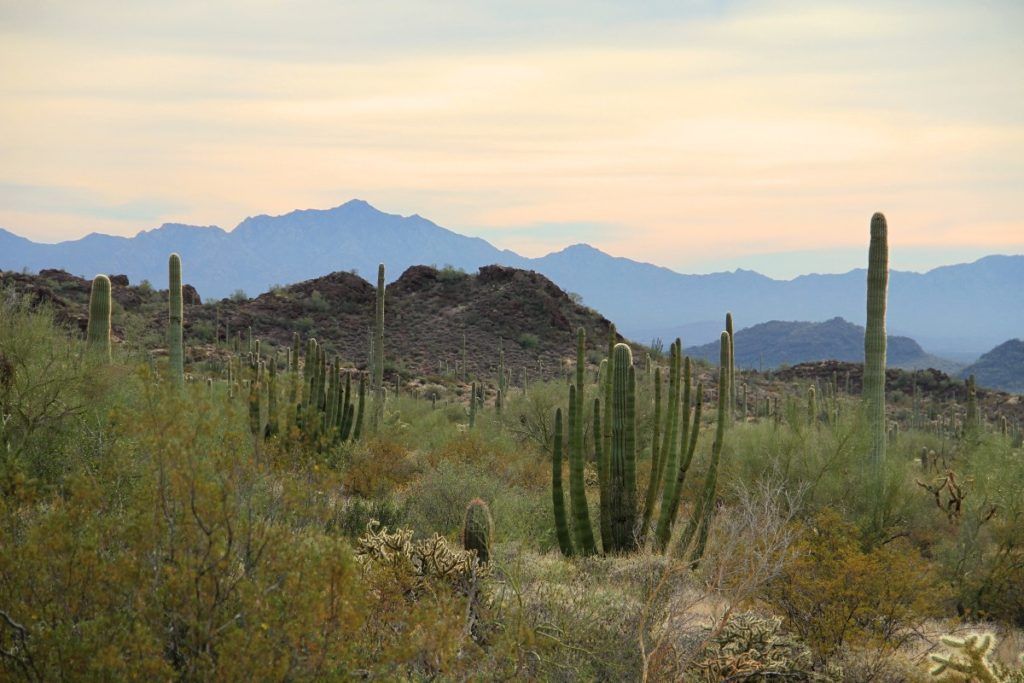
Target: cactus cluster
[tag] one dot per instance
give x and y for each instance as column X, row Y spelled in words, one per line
column 624, row 526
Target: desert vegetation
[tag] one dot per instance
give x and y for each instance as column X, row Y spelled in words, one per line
column 214, row 505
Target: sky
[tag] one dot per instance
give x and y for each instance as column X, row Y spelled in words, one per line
column 696, row 135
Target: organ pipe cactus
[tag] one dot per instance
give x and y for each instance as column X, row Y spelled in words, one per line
column 656, row 472
column 972, row 422
column 97, row 335
column 360, row 409
column 700, row 520
column 557, row 494
column 874, row 337
column 378, row 353
column 582, row 531
column 175, row 341
column 478, row 529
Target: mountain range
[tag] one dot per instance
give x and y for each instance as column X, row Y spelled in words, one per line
column 957, row 311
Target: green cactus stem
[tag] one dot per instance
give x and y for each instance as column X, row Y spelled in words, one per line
column 732, row 366
column 175, row 341
column 652, row 482
column 378, row 353
column 622, row 460
column 360, row 409
column 478, row 529
column 874, row 338
column 700, row 520
column 557, row 494
column 472, row 405
column 97, row 334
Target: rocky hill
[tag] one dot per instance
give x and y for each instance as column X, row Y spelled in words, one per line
column 776, row 343
column 426, row 315
column 1000, row 368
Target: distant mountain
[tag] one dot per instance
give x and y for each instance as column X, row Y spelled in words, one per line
column 960, row 309
column 771, row 344
column 1000, row 368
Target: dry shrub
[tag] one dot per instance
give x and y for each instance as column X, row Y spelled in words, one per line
column 381, row 466
column 835, row 593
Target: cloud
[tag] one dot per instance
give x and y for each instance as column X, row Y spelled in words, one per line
column 700, row 129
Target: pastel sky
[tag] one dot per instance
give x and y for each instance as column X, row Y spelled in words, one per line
column 693, row 134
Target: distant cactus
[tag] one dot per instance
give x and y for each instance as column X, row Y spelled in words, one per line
column 478, row 530
column 175, row 340
column 272, row 417
column 972, row 423
column 557, row 494
column 874, row 337
column 378, row 353
column 97, row 335
column 472, row 406
column 732, row 365
column 812, row 405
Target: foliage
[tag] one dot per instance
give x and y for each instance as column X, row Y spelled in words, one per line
column 834, row 592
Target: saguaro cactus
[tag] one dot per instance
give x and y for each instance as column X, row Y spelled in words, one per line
column 175, row 342
column 378, row 353
column 557, row 494
column 874, row 337
column 97, row 335
column 732, row 365
column 478, row 529
column 622, row 460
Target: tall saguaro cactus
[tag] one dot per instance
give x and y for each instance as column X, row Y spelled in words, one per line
column 175, row 342
column 622, row 460
column 98, row 332
column 378, row 353
column 582, row 531
column 874, row 337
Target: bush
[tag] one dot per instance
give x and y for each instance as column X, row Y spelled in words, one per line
column 833, row 592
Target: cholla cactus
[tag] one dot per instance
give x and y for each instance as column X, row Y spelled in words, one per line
column 969, row 659
column 753, row 648
column 424, row 560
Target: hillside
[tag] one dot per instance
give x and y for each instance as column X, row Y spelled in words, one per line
column 954, row 309
column 771, row 344
column 1000, row 368
column 426, row 314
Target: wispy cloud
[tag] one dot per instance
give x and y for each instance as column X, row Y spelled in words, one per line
column 701, row 130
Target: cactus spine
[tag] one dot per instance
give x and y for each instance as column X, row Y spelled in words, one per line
column 874, row 337
column 378, row 353
column 557, row 495
column 175, row 341
column 478, row 529
column 98, row 332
